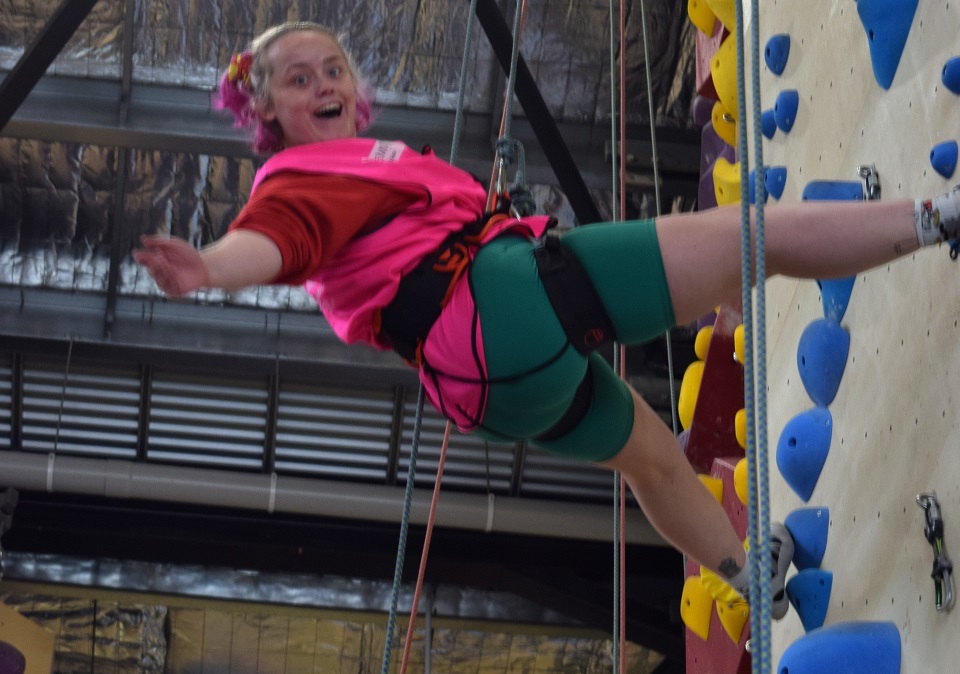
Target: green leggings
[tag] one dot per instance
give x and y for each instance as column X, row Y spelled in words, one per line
column 534, row 372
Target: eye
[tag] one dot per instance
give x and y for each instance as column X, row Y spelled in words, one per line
column 300, row 80
column 335, row 72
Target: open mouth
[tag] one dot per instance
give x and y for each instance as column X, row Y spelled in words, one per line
column 329, row 111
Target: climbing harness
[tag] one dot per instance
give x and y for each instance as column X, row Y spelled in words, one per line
column 424, row 291
column 942, row 566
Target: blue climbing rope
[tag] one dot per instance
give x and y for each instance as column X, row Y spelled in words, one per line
column 418, row 421
column 461, row 92
column 512, row 78
column 404, row 528
column 758, row 493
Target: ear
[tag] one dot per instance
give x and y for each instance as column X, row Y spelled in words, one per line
column 264, row 109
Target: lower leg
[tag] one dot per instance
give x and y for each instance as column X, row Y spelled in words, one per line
column 672, row 497
column 701, row 251
column 685, row 513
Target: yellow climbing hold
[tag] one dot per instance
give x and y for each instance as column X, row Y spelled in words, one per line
column 738, row 343
column 702, row 16
column 689, row 390
column 726, row 182
column 718, row 588
column 740, row 428
column 714, row 485
column 723, row 69
column 740, row 480
column 726, row 11
column 702, row 343
column 733, row 617
column 724, row 123
column 696, row 605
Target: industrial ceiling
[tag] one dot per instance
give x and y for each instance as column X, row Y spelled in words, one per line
column 119, row 405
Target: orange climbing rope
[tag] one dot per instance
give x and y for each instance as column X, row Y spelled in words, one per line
column 492, row 200
column 621, row 534
column 426, row 549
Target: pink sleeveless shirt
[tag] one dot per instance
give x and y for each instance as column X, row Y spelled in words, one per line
column 364, row 274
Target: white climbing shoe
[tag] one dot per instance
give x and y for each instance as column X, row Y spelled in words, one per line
column 781, row 551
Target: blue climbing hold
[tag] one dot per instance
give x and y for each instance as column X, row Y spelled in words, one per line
column 777, row 52
column 785, row 109
column 821, row 359
column 835, row 296
column 951, row 74
column 775, row 179
column 887, row 23
column 835, row 293
column 768, row 123
column 943, row 157
column 809, row 593
column 809, row 528
column 832, row 190
column 860, row 647
column 802, row 449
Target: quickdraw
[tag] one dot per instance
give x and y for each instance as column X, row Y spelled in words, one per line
column 942, row 566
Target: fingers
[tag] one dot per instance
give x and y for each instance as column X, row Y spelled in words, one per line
column 155, row 258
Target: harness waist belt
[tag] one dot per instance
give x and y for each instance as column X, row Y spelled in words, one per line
column 422, row 293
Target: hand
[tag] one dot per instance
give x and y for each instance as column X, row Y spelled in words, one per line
column 175, row 265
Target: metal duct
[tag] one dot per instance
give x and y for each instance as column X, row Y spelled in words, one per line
column 275, row 493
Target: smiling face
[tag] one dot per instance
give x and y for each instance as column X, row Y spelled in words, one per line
column 311, row 93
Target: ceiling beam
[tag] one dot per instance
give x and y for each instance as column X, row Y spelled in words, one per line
column 40, row 54
column 551, row 140
column 174, row 119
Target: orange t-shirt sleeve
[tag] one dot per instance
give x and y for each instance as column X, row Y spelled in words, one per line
column 310, row 217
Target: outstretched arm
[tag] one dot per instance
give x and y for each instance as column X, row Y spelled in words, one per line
column 241, row 258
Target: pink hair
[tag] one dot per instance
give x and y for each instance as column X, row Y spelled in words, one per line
column 238, row 96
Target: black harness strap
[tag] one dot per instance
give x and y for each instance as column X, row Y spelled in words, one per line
column 579, row 406
column 407, row 320
column 573, row 296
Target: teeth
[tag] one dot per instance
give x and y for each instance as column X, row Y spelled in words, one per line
column 329, row 110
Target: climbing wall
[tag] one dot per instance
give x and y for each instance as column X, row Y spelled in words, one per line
column 895, row 430
column 861, row 371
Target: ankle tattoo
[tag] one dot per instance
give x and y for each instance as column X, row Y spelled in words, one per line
column 729, row 567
